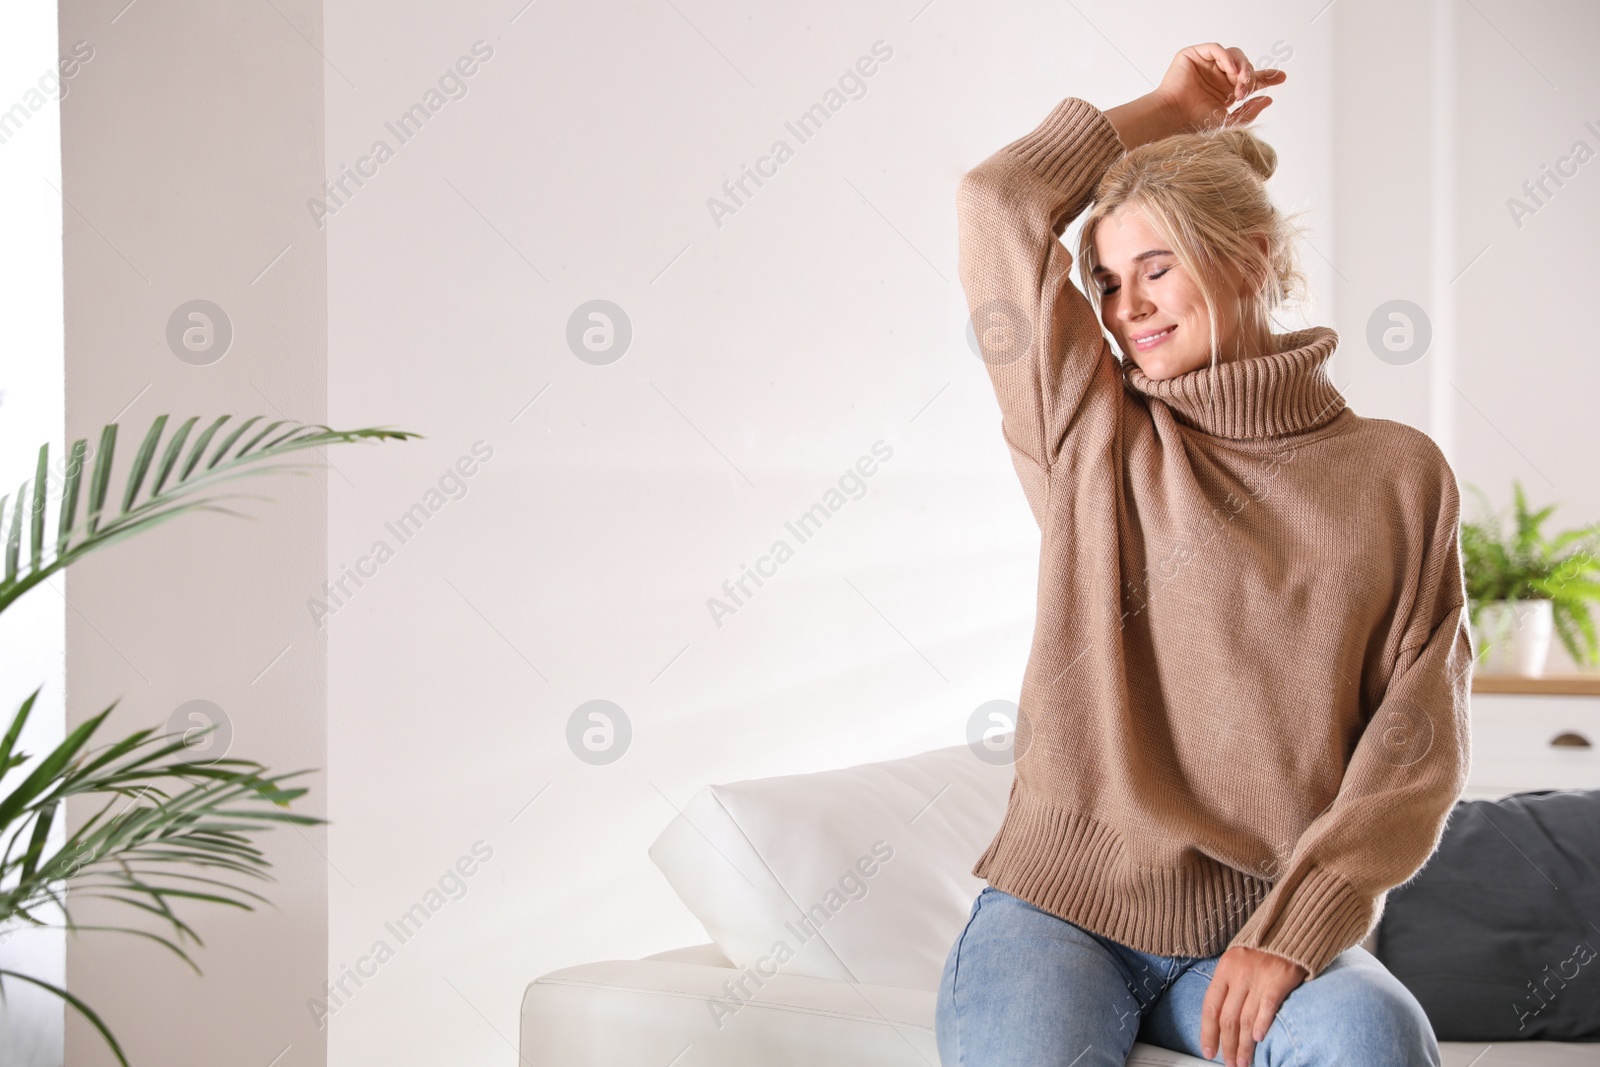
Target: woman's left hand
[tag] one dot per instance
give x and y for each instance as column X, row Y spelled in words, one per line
column 1246, row 991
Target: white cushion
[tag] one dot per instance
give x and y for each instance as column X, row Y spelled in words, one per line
column 878, row 855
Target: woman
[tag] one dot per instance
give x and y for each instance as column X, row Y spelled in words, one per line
column 1244, row 717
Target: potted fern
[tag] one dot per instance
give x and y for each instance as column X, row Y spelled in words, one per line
column 1522, row 587
column 169, row 828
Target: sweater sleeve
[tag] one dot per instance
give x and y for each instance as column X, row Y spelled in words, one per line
column 1409, row 767
column 1040, row 338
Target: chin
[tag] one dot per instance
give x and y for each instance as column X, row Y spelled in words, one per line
column 1158, row 366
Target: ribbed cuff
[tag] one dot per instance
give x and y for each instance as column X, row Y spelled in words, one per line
column 1071, row 149
column 1317, row 920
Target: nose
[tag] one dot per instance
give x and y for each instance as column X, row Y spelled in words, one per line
column 1133, row 306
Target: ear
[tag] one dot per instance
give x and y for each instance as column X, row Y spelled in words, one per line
column 1254, row 278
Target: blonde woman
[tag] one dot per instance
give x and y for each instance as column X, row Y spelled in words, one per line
column 1244, row 717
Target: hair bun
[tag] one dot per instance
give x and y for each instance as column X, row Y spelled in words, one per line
column 1250, row 148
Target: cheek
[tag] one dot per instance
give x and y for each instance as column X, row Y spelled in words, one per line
column 1187, row 303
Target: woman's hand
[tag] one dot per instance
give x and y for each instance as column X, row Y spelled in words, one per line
column 1202, row 84
column 1205, row 80
column 1246, row 991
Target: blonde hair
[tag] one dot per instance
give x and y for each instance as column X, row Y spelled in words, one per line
column 1205, row 194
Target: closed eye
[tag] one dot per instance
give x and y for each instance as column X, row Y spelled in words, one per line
column 1107, row 290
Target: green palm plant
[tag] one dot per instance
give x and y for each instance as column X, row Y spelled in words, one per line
column 183, row 827
column 1523, row 564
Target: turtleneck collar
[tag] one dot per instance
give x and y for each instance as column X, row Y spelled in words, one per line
column 1288, row 391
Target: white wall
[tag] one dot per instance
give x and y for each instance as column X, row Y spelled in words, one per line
column 1527, row 375
column 189, row 146
column 32, row 631
column 768, row 354
column 1380, row 243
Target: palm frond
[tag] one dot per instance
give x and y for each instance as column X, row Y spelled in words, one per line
column 177, row 817
column 82, row 1008
column 139, row 508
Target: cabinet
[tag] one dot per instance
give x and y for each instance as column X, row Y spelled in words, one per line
column 1526, row 741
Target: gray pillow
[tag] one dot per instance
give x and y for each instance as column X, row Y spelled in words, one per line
column 1497, row 935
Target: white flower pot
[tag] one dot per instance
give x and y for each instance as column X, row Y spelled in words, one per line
column 1518, row 634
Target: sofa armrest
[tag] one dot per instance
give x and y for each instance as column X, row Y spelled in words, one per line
column 708, row 954
column 622, row 1013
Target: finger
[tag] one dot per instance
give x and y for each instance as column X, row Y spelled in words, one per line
column 1228, row 1021
column 1266, row 1011
column 1215, row 995
column 1246, row 112
column 1247, row 1024
column 1245, row 76
column 1220, row 56
column 1270, row 76
column 1238, row 77
column 1216, row 53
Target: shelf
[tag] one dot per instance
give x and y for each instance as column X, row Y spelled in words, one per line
column 1587, row 685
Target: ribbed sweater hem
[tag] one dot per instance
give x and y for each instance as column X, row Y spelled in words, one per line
column 1319, row 920
column 1075, row 867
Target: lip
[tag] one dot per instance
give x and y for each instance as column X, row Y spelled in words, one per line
column 1146, row 341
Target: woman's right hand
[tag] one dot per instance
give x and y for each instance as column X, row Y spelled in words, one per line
column 1205, row 80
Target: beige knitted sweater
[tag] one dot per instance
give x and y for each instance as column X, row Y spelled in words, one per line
column 1244, row 717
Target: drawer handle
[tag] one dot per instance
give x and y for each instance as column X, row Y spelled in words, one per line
column 1570, row 740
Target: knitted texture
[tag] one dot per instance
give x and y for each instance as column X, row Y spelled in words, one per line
column 1245, row 712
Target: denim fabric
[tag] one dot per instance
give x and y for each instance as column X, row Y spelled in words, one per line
column 1024, row 988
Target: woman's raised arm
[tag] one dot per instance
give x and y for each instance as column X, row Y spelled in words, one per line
column 1040, row 338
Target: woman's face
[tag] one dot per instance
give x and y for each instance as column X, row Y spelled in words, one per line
column 1150, row 303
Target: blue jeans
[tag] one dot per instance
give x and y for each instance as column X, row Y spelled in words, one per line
column 1026, row 988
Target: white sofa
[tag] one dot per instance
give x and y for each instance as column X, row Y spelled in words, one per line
column 878, row 856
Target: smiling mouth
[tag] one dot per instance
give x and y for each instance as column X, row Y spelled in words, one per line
column 1150, row 340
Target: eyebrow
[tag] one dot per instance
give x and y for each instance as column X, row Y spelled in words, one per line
column 1141, row 257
